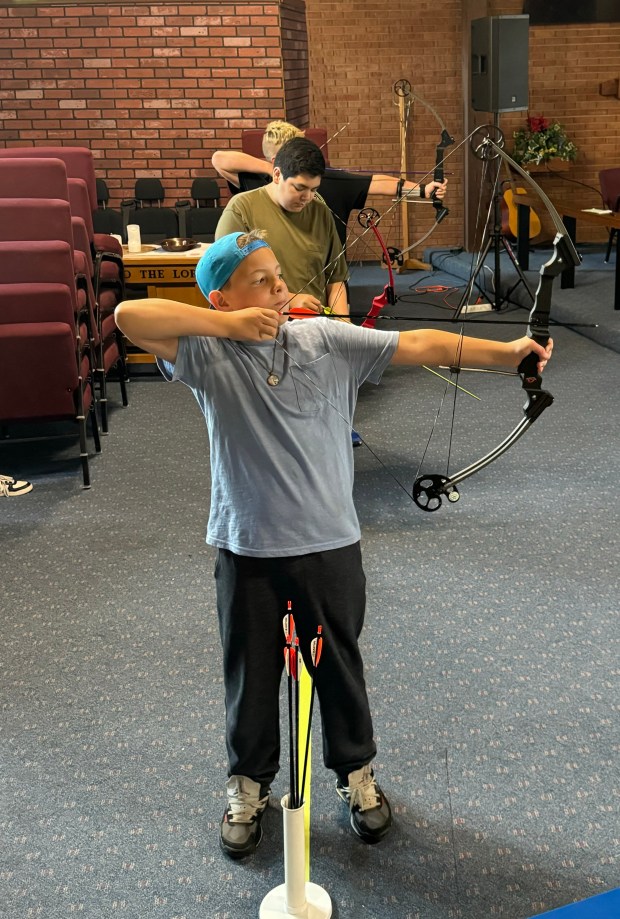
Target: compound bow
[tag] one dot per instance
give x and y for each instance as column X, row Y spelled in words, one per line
column 429, row 490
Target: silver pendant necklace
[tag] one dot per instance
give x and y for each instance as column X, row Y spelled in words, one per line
column 272, row 377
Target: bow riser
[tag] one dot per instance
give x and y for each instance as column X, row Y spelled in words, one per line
column 564, row 254
column 441, row 211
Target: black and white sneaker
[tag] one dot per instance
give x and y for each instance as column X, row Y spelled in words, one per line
column 240, row 830
column 11, row 488
column 369, row 809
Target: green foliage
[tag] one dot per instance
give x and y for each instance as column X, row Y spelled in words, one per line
column 542, row 141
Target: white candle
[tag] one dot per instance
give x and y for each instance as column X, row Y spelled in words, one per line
column 134, row 243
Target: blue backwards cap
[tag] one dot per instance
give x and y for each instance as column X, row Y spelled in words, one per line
column 221, row 259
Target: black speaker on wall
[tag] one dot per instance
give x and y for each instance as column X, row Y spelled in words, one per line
column 499, row 63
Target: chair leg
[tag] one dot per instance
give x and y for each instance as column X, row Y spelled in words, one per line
column 81, row 420
column 123, row 385
column 85, row 470
column 103, row 407
column 103, row 398
column 121, row 365
column 94, row 424
column 610, row 243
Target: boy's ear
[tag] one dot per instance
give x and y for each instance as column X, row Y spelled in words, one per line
column 217, row 300
column 276, row 175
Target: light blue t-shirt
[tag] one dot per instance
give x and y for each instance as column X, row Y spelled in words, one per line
column 281, row 456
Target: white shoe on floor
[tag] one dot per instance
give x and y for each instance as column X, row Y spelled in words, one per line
column 10, row 488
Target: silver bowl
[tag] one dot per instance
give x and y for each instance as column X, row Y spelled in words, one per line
column 179, row 244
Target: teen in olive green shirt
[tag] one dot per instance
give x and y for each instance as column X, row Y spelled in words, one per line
column 300, row 229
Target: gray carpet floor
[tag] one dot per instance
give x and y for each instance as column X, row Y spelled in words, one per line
column 491, row 648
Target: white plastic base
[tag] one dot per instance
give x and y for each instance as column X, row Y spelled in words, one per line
column 318, row 904
column 477, row 308
column 296, row 897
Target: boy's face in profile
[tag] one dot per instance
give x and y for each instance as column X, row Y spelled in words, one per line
column 256, row 282
column 294, row 193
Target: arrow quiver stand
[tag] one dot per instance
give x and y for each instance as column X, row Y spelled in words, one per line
column 402, row 92
column 296, row 897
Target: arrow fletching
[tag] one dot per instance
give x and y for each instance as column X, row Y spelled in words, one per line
column 316, row 647
column 288, row 624
column 296, row 660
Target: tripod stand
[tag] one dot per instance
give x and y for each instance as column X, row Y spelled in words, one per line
column 496, row 241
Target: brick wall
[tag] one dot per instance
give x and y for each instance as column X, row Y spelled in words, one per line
column 351, row 81
column 151, row 88
column 295, row 62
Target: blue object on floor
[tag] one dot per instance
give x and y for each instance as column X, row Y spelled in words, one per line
column 603, row 906
column 356, row 439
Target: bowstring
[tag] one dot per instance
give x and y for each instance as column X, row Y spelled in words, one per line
column 453, row 372
column 456, row 367
column 360, row 236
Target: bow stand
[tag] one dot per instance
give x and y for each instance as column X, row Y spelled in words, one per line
column 402, row 91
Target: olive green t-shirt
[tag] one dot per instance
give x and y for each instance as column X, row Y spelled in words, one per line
column 305, row 243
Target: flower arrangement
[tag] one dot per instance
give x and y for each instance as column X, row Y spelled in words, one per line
column 541, row 141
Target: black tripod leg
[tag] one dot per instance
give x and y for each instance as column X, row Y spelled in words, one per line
column 517, row 267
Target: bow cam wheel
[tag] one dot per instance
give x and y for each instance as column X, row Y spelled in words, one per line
column 395, row 256
column 428, row 491
column 479, row 141
column 367, row 217
column 402, row 87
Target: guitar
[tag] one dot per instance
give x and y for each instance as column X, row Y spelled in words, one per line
column 510, row 213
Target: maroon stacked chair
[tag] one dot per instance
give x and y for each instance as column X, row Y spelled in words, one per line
column 44, row 179
column 34, row 177
column 107, row 252
column 108, row 274
column 80, row 164
column 55, row 392
column 42, row 214
column 46, row 351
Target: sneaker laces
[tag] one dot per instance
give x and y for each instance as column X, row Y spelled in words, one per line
column 243, row 806
column 5, row 482
column 364, row 792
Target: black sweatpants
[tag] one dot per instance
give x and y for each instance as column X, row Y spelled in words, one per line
column 325, row 588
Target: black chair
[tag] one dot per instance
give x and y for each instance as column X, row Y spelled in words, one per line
column 199, row 220
column 610, row 191
column 149, row 192
column 103, row 194
column 145, row 209
column 106, row 219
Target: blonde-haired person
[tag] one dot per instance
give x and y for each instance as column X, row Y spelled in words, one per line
column 276, row 134
column 342, row 191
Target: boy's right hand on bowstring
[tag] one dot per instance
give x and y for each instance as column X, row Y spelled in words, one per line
column 303, row 305
column 252, row 324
